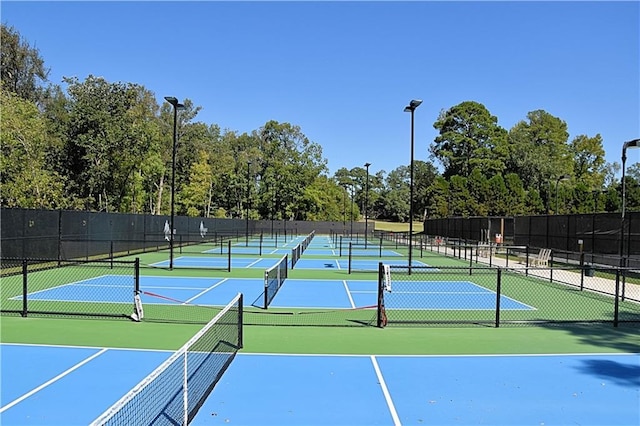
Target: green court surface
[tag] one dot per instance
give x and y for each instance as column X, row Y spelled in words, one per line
column 264, row 335
column 301, row 330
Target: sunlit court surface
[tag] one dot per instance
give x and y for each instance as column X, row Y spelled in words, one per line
column 313, row 337
column 74, row 385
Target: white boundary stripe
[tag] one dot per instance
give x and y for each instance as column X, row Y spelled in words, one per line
column 204, row 291
column 253, row 263
column 385, row 391
column 346, row 288
column 111, row 411
column 58, row 377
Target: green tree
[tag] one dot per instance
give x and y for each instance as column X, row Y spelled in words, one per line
column 459, row 196
column 589, row 162
column 22, row 69
column 469, row 138
column 26, row 178
column 396, row 195
column 105, row 143
column 516, row 195
column 423, row 176
column 538, row 150
column 498, row 196
column 196, row 195
column 478, row 186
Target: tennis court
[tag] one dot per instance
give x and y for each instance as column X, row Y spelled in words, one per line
column 288, row 389
column 293, row 293
column 314, row 356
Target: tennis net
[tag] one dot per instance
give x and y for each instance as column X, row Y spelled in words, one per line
column 174, row 392
column 274, row 278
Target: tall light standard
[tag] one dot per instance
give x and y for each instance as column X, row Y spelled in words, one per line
column 247, row 216
column 352, row 197
column 563, row 177
column 344, row 208
column 366, row 207
column 635, row 143
column 176, row 106
column 415, row 103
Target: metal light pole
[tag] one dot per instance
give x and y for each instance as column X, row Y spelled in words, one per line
column 629, row 144
column 563, row 177
column 366, row 208
column 176, row 106
column 344, row 208
column 247, row 216
column 415, row 103
column 352, row 196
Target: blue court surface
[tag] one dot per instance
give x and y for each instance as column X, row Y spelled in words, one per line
column 294, row 293
column 217, row 262
column 56, row 385
column 358, row 264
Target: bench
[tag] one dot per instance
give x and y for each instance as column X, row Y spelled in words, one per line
column 542, row 259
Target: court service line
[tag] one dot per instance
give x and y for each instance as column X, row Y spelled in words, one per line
column 346, row 288
column 204, row 291
column 58, row 377
column 253, row 263
column 385, row 391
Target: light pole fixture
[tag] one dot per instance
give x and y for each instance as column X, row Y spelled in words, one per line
column 366, row 207
column 247, row 206
column 344, row 208
column 176, row 106
column 415, row 103
column 352, row 197
column 563, row 177
column 635, row 143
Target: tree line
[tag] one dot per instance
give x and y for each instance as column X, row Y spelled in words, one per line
column 108, row 146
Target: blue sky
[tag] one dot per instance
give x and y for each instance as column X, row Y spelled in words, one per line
column 344, row 71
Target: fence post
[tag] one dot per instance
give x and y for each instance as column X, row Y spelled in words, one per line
column 582, row 271
column 350, row 247
column 380, row 305
column 498, row 293
column 616, row 300
column 229, row 256
column 24, row 287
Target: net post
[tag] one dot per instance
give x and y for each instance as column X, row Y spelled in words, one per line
column 380, row 304
column 229, row 256
column 498, row 292
column 240, row 320
column 266, row 289
column 260, row 250
column 24, row 287
column 380, row 252
column 616, row 300
column 185, row 390
column 350, row 255
column 136, row 276
column 340, row 249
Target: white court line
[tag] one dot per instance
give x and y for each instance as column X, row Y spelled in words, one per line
column 346, row 288
column 58, row 377
column 385, row 391
column 204, row 291
column 253, row 263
